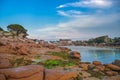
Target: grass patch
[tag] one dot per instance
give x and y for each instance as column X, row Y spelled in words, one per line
column 65, row 56
column 54, row 63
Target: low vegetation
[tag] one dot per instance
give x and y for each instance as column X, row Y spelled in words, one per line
column 63, row 55
column 54, row 63
column 20, row 62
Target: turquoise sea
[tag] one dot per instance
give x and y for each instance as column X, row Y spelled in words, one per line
column 90, row 54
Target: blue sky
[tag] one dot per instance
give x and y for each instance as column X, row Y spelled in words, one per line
column 55, row 19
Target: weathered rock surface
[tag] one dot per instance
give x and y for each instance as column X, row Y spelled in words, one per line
column 75, row 54
column 64, row 49
column 91, row 66
column 59, row 75
column 113, row 67
column 117, row 63
column 111, row 73
column 97, row 63
column 37, row 76
column 84, row 66
column 112, row 78
column 4, row 63
column 101, row 67
column 91, row 78
column 85, row 74
column 2, row 77
column 22, row 72
column 51, row 46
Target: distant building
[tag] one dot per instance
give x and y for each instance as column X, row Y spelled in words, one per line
column 42, row 42
column 65, row 42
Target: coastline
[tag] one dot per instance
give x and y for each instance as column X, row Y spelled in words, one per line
column 49, row 62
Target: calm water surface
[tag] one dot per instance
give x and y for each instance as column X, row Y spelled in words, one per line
column 89, row 54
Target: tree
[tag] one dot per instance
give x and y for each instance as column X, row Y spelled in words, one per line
column 18, row 29
column 1, row 29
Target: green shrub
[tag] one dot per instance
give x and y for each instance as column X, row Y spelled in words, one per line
column 53, row 63
column 65, row 56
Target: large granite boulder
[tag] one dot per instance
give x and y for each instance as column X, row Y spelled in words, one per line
column 100, row 67
column 113, row 67
column 51, row 74
column 37, row 76
column 24, row 73
column 97, row 63
column 75, row 54
column 111, row 73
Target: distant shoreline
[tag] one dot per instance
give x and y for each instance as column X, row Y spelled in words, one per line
column 114, row 47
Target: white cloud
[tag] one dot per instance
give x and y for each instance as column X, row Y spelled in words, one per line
column 62, row 13
column 69, row 13
column 73, row 27
column 89, row 3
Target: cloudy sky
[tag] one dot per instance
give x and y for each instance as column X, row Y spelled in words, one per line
column 55, row 19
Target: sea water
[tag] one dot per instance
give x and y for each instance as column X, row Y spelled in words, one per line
column 90, row 54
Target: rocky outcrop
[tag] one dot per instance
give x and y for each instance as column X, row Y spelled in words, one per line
column 2, row 77
column 117, row 77
column 5, row 63
column 22, row 50
column 111, row 73
column 31, row 72
column 84, row 66
column 91, row 78
column 91, row 66
column 75, row 55
column 113, row 67
column 97, row 63
column 59, row 74
column 51, row 46
column 101, row 67
column 64, row 49
column 117, row 63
